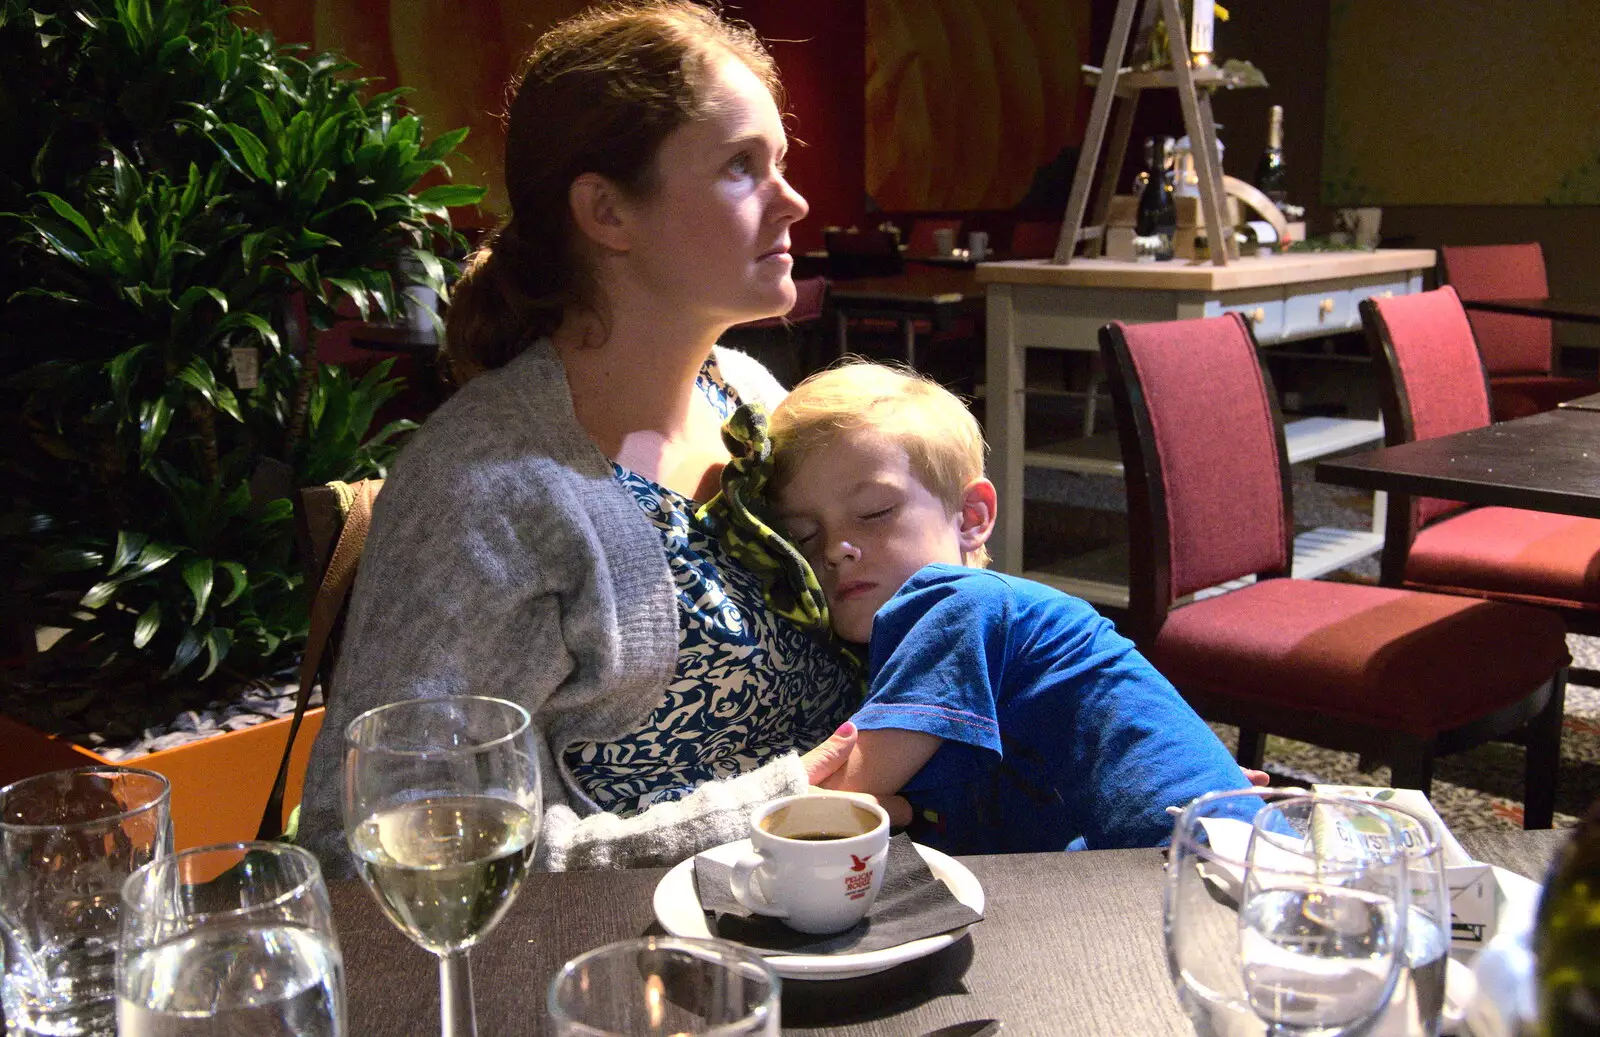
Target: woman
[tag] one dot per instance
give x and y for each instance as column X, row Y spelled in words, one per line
column 537, row 538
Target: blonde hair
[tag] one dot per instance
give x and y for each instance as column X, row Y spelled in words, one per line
column 599, row 93
column 941, row 438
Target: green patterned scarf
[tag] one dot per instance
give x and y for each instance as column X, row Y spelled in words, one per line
column 740, row 517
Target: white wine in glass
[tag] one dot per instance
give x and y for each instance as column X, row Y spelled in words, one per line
column 442, row 810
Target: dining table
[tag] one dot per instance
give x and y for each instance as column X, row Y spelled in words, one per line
column 930, row 293
column 1555, row 307
column 1548, row 461
column 1070, row 943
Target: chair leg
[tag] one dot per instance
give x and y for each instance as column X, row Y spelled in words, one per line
column 1411, row 767
column 1544, row 758
column 1251, row 746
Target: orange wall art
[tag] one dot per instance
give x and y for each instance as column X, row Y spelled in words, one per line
column 966, row 99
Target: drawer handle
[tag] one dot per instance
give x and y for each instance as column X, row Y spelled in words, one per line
column 1325, row 307
column 1258, row 315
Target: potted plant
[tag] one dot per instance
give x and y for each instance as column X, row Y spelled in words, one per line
column 188, row 205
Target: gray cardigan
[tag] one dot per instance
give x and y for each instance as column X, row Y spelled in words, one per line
column 505, row 559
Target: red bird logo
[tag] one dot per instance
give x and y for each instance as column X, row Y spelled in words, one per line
column 857, row 863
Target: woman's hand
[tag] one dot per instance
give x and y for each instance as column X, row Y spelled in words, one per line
column 827, row 759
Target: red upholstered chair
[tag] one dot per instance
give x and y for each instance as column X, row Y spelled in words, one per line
column 920, row 241
column 1034, row 239
column 1517, row 351
column 1431, row 386
column 1396, row 675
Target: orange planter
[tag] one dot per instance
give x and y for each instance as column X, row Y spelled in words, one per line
column 219, row 784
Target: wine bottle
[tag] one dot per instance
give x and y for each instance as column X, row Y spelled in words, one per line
column 1567, row 937
column 1271, row 177
column 1157, row 214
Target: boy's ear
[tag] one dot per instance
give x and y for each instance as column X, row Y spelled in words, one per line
column 600, row 211
column 978, row 504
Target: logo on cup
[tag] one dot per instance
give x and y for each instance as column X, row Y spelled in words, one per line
column 815, row 860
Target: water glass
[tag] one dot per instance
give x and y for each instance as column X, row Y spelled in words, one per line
column 441, row 810
column 1416, row 1008
column 68, row 840
column 1247, row 907
column 229, row 939
column 664, row 985
column 1322, row 915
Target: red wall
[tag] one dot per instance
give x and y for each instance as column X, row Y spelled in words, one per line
column 821, row 47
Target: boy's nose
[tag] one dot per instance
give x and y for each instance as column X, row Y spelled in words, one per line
column 841, row 551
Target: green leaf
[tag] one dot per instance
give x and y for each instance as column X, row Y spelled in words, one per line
column 218, row 643
column 121, row 370
column 198, row 375
column 154, row 417
column 251, row 150
column 357, row 293
column 127, row 184
column 198, row 574
column 433, row 268
column 128, row 547
column 188, row 650
column 148, row 623
column 448, row 195
column 254, row 321
column 241, row 580
column 71, row 215
column 444, row 144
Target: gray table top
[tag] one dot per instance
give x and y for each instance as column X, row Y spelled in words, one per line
column 1071, row 944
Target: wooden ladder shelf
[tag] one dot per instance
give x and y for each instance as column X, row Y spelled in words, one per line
column 1116, row 81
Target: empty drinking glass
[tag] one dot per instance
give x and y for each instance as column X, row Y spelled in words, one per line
column 655, row 986
column 1267, row 931
column 68, row 840
column 231, row 939
column 442, row 810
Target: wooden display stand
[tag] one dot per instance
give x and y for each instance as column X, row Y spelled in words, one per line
column 1197, row 120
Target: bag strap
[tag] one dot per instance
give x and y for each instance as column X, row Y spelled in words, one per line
column 356, row 500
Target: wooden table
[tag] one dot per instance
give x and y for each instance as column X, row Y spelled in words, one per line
column 1038, row 304
column 936, row 294
column 1582, row 311
column 1071, row 944
column 1546, row 462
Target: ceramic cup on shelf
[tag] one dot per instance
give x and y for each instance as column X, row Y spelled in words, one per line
column 816, row 861
column 944, row 241
column 978, row 245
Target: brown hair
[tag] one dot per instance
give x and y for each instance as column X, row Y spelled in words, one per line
column 598, row 94
column 941, row 438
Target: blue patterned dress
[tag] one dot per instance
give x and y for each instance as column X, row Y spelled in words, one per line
column 750, row 685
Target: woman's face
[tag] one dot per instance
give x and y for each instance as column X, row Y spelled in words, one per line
column 713, row 239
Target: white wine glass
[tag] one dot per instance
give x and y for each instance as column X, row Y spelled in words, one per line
column 442, row 809
column 1322, row 916
column 236, row 938
column 1225, row 968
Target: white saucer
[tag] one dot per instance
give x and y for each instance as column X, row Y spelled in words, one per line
column 678, row 910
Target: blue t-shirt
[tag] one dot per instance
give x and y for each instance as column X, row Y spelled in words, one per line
column 1055, row 727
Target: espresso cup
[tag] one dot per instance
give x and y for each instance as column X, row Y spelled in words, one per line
column 815, row 861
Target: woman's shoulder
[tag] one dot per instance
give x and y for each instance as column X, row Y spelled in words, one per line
column 506, row 430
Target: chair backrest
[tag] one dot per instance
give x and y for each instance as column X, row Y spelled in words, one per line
column 920, row 241
column 1510, row 344
column 1034, row 239
column 867, row 253
column 1204, row 453
column 1431, row 381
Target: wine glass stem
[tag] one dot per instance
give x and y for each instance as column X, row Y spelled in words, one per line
column 457, row 1017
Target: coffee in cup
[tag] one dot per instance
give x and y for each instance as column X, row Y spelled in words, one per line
column 815, row 860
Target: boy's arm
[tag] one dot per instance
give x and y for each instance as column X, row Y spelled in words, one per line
column 883, row 761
